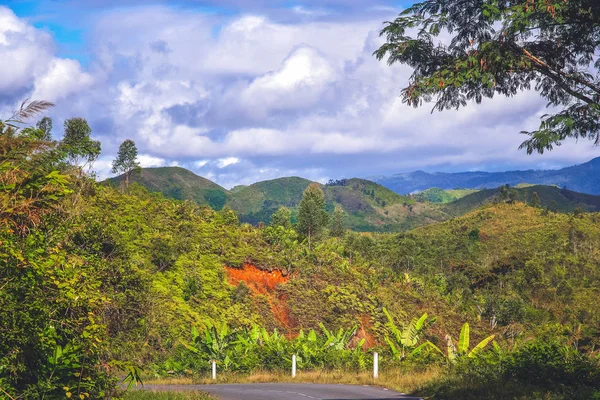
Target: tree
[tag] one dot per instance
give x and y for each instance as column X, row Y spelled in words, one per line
column 502, row 48
column 126, row 160
column 312, row 216
column 282, row 217
column 337, row 228
column 45, row 126
column 80, row 149
column 535, row 201
column 512, row 196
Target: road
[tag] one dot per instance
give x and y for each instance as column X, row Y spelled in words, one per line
column 289, row 391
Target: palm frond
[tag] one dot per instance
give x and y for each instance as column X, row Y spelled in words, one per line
column 29, row 109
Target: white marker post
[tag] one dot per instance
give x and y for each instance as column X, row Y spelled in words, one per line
column 375, row 365
column 214, row 369
column 293, row 366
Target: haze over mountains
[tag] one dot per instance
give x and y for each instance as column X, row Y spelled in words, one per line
column 584, row 178
column 370, row 206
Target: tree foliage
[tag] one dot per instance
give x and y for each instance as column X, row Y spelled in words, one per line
column 79, row 147
column 337, row 227
column 282, row 217
column 312, row 217
column 501, row 48
column 126, row 160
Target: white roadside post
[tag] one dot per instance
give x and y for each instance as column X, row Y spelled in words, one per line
column 293, row 366
column 375, row 365
column 214, row 369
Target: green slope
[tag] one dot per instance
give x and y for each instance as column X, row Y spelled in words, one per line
column 441, row 196
column 256, row 203
column 368, row 206
column 552, row 197
column 180, row 184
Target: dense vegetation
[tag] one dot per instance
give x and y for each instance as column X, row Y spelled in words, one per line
column 98, row 282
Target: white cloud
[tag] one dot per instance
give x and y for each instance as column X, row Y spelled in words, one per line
column 63, row 77
column 29, row 67
column 146, row 161
column 224, row 162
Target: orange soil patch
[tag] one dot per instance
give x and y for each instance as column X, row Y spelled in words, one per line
column 264, row 282
column 259, row 281
column 363, row 332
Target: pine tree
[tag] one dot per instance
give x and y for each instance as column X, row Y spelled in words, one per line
column 312, row 217
column 126, row 160
column 337, row 228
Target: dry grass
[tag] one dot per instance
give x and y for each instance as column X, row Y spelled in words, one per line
column 405, row 382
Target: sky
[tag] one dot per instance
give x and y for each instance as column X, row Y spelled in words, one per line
column 240, row 91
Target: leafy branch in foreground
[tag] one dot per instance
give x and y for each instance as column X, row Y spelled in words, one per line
column 502, row 48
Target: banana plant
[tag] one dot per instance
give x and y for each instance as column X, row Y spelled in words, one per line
column 213, row 342
column 339, row 340
column 454, row 352
column 407, row 337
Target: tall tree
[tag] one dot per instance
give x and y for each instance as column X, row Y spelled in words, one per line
column 79, row 147
column 282, row 217
column 503, row 47
column 126, row 160
column 312, row 217
column 336, row 227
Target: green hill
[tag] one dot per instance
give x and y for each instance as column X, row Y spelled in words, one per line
column 256, row 203
column 551, row 197
column 437, row 195
column 180, row 184
column 368, row 206
column 372, row 207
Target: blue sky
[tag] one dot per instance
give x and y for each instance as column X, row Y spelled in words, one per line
column 246, row 90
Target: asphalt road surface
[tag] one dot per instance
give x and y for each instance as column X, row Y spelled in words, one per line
column 289, row 391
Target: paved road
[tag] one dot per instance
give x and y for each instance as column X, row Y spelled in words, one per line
column 289, row 391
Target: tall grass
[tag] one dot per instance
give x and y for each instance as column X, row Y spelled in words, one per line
column 401, row 381
column 170, row 395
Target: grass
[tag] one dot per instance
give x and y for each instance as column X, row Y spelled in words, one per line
column 171, row 395
column 405, row 382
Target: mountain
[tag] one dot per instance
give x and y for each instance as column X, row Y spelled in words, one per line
column 179, row 183
column 583, row 178
column 369, row 207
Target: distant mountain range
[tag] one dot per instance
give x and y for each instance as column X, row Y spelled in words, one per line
column 369, row 206
column 584, row 178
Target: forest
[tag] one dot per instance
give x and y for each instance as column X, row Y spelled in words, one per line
column 106, row 287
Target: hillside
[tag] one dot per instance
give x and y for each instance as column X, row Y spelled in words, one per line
column 441, row 196
column 551, row 197
column 583, row 178
column 256, row 203
column 372, row 207
column 368, row 206
column 180, row 184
